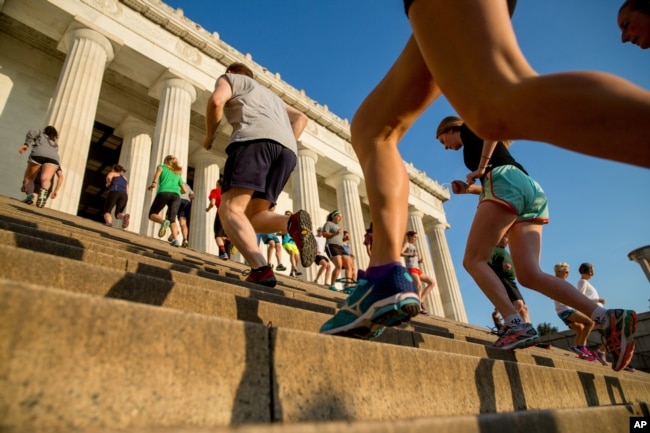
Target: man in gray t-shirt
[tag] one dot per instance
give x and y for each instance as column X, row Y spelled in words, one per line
column 261, row 157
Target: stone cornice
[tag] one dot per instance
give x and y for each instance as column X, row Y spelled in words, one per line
column 421, row 179
column 210, row 44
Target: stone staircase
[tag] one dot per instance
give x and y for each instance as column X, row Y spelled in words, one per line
column 104, row 330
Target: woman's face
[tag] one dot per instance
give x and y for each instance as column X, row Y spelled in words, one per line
column 562, row 273
column 450, row 139
column 635, row 27
column 337, row 218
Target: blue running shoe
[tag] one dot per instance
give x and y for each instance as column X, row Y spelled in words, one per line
column 386, row 301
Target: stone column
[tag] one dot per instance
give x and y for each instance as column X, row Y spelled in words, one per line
column 432, row 302
column 305, row 193
column 452, row 301
column 134, row 157
column 206, row 173
column 349, row 203
column 642, row 257
column 172, row 135
column 74, row 105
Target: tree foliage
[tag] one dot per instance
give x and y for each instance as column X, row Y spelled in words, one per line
column 545, row 328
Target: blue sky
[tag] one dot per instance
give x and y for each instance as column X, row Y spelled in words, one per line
column 337, row 51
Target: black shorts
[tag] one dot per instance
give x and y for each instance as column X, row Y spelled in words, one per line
column 335, row 250
column 512, row 290
column 320, row 258
column 169, row 199
column 117, row 200
column 261, row 165
column 43, row 160
column 218, row 228
column 185, row 209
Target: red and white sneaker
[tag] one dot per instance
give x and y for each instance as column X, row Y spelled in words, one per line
column 620, row 337
column 520, row 339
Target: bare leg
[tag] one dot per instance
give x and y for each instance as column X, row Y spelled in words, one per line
column 502, row 97
column 525, row 248
column 490, row 224
column 583, row 326
column 377, row 127
column 47, row 173
column 238, row 226
column 521, row 307
column 28, row 178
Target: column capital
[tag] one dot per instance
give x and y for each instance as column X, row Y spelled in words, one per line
column 413, row 211
column 308, row 153
column 133, row 124
column 341, row 175
column 76, row 32
column 206, row 156
column 169, row 81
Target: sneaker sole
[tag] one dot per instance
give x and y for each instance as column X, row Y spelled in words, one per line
column 627, row 343
column 266, row 283
column 307, row 239
column 522, row 344
column 163, row 230
column 390, row 311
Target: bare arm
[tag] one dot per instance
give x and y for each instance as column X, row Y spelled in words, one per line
column 154, row 182
column 59, row 183
column 460, row 187
column 486, row 154
column 22, row 149
column 298, row 120
column 214, row 110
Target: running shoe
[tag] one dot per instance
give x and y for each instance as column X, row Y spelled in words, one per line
column 185, row 243
column 29, row 199
column 163, row 228
column 520, row 339
column 223, row 256
column 620, row 337
column 333, row 288
column 600, row 356
column 424, row 311
column 263, row 276
column 281, row 267
column 175, row 243
column 299, row 227
column 125, row 220
column 42, row 197
column 585, row 353
column 386, row 301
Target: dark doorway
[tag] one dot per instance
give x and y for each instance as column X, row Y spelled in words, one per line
column 104, row 152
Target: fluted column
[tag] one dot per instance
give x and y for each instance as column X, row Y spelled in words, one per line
column 206, row 173
column 452, row 301
column 349, row 203
column 432, row 301
column 305, row 192
column 172, row 133
column 134, row 157
column 73, row 108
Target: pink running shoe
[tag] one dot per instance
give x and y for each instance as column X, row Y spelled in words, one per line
column 525, row 337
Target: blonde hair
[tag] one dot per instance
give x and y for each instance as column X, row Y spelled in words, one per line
column 171, row 162
column 562, row 266
column 453, row 123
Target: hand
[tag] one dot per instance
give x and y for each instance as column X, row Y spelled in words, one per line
column 459, row 187
column 53, row 195
column 207, row 142
column 207, row 209
column 477, row 174
column 22, row 149
column 152, row 186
